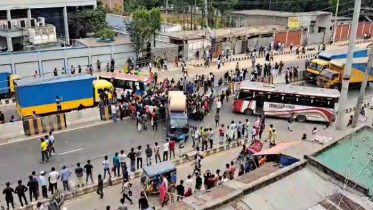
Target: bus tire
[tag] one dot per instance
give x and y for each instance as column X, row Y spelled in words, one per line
column 301, row 118
column 249, row 112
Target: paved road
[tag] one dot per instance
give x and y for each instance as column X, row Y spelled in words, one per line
column 22, row 157
column 112, row 194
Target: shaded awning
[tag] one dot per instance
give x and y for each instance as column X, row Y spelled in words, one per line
column 278, row 148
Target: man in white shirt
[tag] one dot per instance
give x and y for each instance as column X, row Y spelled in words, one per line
column 233, row 129
column 122, row 158
column 218, row 106
column 247, row 128
column 197, row 134
column 53, row 178
column 166, row 148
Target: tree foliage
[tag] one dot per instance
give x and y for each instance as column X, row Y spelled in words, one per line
column 144, row 25
column 88, row 20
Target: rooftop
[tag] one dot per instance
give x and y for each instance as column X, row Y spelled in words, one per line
column 26, row 4
column 279, row 13
column 307, row 188
column 226, row 32
column 45, row 80
column 92, row 42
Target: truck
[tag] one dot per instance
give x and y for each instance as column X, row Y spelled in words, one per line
column 176, row 116
column 39, row 96
column 323, row 58
column 332, row 77
column 7, row 84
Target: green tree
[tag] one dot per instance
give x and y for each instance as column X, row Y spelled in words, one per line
column 88, row 20
column 139, row 29
column 131, row 6
column 155, row 21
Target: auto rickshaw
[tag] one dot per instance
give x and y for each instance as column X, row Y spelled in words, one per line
column 151, row 177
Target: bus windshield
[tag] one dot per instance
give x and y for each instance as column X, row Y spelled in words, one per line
column 316, row 66
column 128, row 85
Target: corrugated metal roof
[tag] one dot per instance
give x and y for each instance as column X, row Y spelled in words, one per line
column 279, row 13
column 45, row 80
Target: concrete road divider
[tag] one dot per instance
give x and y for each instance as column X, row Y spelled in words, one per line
column 75, row 118
column 7, row 101
column 45, row 124
column 307, row 56
column 11, row 131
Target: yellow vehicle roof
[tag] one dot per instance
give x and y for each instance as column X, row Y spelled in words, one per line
column 320, row 61
column 14, row 77
column 102, row 84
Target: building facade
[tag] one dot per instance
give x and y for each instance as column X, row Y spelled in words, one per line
column 315, row 26
column 17, row 17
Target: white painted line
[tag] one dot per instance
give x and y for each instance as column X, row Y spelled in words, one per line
column 60, row 131
column 71, row 151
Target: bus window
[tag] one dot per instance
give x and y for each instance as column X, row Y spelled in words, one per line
column 245, row 95
column 289, row 99
column 119, row 84
column 136, row 85
column 141, row 86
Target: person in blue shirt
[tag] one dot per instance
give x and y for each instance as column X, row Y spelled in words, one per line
column 65, row 174
column 116, row 164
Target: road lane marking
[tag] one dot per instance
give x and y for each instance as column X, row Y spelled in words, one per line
column 71, row 151
column 60, row 131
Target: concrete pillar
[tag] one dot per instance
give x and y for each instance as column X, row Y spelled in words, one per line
column 29, row 17
column 90, row 56
column 12, row 65
column 112, row 51
column 8, row 15
column 9, row 44
column 65, row 64
column 286, row 39
column 41, row 70
column 66, row 23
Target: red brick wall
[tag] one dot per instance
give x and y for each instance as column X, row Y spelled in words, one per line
column 293, row 36
column 344, row 29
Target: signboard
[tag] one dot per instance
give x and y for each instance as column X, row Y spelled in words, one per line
column 293, row 22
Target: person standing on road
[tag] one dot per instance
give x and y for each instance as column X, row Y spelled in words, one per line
column 132, row 156
column 149, row 154
column 106, row 166
column 291, row 122
column 211, row 137
column 181, row 146
column 65, row 174
column 122, row 158
column 44, row 150
column 166, row 148
column 8, row 192
column 43, row 183
column 51, row 143
column 221, row 134
column 33, row 189
column 20, row 191
column 205, row 139
column 100, row 186
column 88, row 170
column 172, row 148
column 116, row 164
column 139, row 157
column 157, row 153
column 53, row 178
column 79, row 175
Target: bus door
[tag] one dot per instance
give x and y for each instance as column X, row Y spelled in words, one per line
column 259, row 103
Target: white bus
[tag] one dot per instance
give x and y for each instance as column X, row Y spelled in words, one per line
column 280, row 100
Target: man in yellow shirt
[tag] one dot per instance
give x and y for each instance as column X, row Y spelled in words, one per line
column 44, row 150
column 270, row 133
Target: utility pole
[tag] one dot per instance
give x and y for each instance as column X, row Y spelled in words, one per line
column 362, row 89
column 206, row 16
column 165, row 16
column 347, row 73
column 335, row 21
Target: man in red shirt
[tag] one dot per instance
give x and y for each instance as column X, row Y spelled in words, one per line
column 232, row 169
column 221, row 134
column 172, row 148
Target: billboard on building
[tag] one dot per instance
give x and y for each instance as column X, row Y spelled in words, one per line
column 293, row 22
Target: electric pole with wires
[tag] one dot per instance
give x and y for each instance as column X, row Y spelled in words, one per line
column 347, row 73
column 363, row 88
